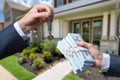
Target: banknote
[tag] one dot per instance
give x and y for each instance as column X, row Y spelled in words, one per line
column 79, row 57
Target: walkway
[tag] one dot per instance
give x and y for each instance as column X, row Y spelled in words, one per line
column 58, row 72
column 5, row 75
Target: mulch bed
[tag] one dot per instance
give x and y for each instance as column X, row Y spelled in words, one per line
column 93, row 76
column 46, row 66
column 96, row 76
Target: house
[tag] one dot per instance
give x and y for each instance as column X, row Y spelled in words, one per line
column 13, row 11
column 97, row 21
column 1, row 25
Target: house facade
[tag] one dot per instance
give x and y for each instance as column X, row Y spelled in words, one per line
column 97, row 21
column 12, row 12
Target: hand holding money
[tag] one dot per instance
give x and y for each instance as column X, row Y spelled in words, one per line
column 94, row 52
column 79, row 57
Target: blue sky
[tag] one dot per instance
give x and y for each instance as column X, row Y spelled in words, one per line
column 1, row 6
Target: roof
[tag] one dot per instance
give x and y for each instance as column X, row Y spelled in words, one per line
column 79, row 6
column 16, row 5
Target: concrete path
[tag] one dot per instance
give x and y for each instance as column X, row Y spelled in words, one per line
column 5, row 75
column 58, row 72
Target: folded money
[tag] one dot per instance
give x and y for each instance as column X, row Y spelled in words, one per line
column 79, row 57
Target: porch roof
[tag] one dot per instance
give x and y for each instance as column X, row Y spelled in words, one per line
column 76, row 7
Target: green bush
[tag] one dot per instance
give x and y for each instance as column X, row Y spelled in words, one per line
column 33, row 56
column 96, row 42
column 48, row 45
column 57, row 51
column 26, row 52
column 38, row 63
column 88, row 72
column 22, row 59
column 33, row 44
column 99, row 71
column 34, row 49
column 47, row 55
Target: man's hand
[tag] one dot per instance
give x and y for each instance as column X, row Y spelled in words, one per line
column 97, row 55
column 35, row 17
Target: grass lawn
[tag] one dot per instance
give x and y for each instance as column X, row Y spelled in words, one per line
column 18, row 71
column 72, row 77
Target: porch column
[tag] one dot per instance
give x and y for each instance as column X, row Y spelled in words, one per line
column 31, row 36
column 105, row 26
column 112, row 26
column 40, row 33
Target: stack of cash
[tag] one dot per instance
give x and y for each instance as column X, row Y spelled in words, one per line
column 79, row 57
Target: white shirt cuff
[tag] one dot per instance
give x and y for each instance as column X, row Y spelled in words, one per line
column 105, row 62
column 20, row 32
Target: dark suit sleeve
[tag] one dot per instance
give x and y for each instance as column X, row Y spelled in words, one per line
column 114, row 69
column 10, row 42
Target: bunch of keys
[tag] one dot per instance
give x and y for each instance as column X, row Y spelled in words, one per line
column 49, row 23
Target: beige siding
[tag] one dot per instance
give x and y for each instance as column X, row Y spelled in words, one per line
column 55, row 29
column 7, row 9
column 65, row 27
column 16, row 13
column 45, row 30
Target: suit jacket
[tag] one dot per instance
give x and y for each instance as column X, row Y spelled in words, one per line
column 114, row 69
column 10, row 42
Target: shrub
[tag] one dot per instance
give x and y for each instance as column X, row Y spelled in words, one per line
column 57, row 51
column 47, row 55
column 22, row 59
column 99, row 71
column 48, row 45
column 38, row 63
column 26, row 52
column 106, row 52
column 33, row 44
column 33, row 56
column 96, row 42
column 88, row 72
column 34, row 49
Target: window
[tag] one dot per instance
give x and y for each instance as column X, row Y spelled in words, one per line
column 97, row 31
column 86, row 30
column 76, row 27
column 59, row 3
column 74, row 0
